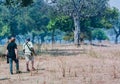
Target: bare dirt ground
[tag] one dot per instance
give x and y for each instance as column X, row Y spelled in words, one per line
column 67, row 64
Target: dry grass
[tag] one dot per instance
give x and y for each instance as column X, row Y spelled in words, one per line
column 67, row 64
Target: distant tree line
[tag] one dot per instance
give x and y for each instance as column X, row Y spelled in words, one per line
column 69, row 20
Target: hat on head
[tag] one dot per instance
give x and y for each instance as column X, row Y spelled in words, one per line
column 28, row 39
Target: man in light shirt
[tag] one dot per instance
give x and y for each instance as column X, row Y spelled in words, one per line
column 28, row 49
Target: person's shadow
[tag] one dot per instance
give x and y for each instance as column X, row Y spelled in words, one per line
column 1, row 79
column 34, row 70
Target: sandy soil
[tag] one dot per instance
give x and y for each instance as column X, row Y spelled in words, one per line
column 69, row 65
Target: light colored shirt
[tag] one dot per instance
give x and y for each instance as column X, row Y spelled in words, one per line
column 25, row 47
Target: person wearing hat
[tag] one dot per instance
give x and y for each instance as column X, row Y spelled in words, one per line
column 28, row 50
column 12, row 52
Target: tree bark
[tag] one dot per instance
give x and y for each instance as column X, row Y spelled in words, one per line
column 77, row 30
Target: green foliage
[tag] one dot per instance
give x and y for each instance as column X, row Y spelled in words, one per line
column 63, row 23
column 85, row 8
column 111, row 16
column 39, row 19
column 8, row 2
column 102, row 21
column 4, row 31
column 26, row 2
column 112, row 13
column 69, row 36
column 85, row 30
column 99, row 34
column 23, row 3
column 51, row 25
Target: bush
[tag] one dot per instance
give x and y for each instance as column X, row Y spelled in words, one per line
column 99, row 35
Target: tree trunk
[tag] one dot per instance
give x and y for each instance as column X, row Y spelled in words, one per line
column 33, row 37
column 42, row 40
column 39, row 44
column 19, row 40
column 53, row 34
column 38, row 39
column 77, row 30
column 116, row 39
column 12, row 31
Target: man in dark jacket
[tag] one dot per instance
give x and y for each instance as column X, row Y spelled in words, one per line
column 9, row 40
column 13, row 55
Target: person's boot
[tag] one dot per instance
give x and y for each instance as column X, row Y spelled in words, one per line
column 33, row 68
column 28, row 69
column 17, row 72
column 7, row 60
column 11, row 73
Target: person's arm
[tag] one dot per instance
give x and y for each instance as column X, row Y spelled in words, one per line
column 6, row 52
column 16, row 53
column 31, row 45
column 23, row 48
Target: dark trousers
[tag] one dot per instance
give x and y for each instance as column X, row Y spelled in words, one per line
column 11, row 64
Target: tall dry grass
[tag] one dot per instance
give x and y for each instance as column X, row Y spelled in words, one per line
column 67, row 64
